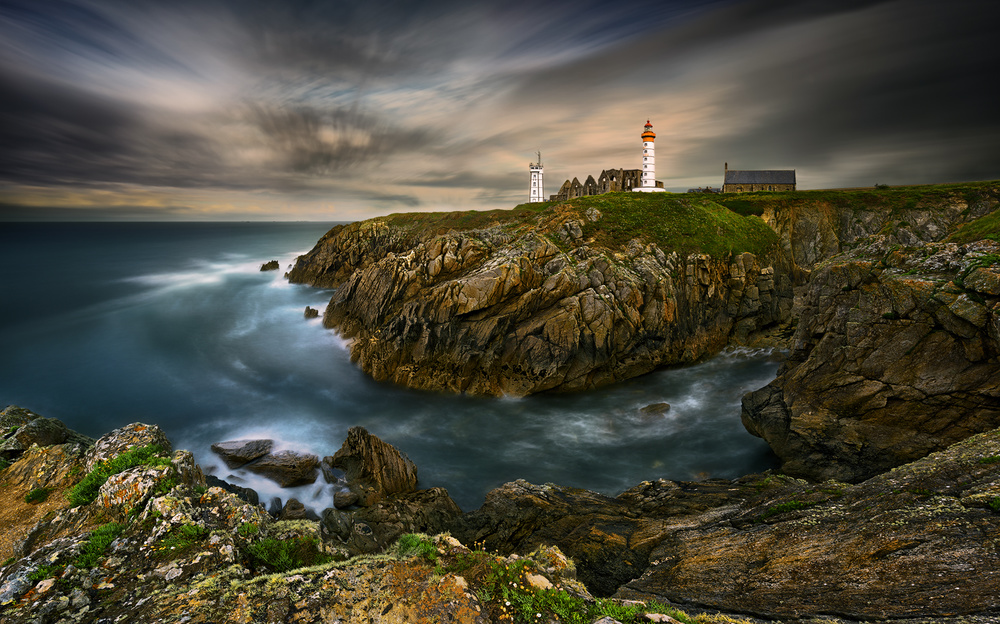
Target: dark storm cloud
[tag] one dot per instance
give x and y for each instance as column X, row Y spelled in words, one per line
column 319, row 142
column 407, row 104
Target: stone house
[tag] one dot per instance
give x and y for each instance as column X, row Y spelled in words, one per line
column 740, row 181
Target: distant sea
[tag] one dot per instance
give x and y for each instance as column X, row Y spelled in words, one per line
column 103, row 324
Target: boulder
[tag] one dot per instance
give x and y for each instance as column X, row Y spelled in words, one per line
column 373, row 468
column 286, row 468
column 120, row 440
column 295, row 510
column 270, row 266
column 372, row 529
column 236, row 453
column 248, row 495
column 311, row 313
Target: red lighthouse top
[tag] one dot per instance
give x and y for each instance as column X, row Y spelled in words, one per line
column 649, row 135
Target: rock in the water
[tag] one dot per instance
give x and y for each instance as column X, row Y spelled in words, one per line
column 286, row 468
column 295, row 510
column 343, row 500
column 655, row 410
column 247, row 494
column 374, row 469
column 270, row 266
column 236, row 453
column 311, row 313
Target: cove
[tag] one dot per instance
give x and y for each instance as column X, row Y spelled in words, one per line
column 174, row 324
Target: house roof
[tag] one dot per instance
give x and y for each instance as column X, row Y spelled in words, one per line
column 768, row 176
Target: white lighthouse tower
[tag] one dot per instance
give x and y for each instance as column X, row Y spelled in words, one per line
column 535, row 193
column 648, row 162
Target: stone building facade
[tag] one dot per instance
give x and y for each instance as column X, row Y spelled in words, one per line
column 610, row 181
column 745, row 181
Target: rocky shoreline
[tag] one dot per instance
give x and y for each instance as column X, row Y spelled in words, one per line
column 915, row 544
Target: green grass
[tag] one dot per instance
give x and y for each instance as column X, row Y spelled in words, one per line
column 986, row 227
column 285, row 555
column 416, row 545
column 785, row 507
column 94, row 548
column 86, row 490
column 682, row 223
column 181, row 539
column 37, row 495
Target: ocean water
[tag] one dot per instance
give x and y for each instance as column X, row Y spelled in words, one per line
column 103, row 324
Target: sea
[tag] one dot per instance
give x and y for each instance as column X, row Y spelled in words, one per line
column 173, row 324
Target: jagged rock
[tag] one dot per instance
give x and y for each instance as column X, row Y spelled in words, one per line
column 20, row 428
column 270, row 266
column 504, row 311
column 236, row 453
column 892, row 361
column 372, row 529
column 120, row 440
column 286, row 468
column 374, row 469
column 654, row 410
column 246, row 494
column 295, row 510
column 311, row 313
column 343, row 500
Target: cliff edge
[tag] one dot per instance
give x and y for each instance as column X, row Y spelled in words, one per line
column 558, row 297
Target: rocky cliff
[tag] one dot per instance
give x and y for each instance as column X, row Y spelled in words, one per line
column 895, row 356
column 566, row 297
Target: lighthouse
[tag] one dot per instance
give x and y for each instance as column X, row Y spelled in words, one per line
column 535, row 190
column 648, row 180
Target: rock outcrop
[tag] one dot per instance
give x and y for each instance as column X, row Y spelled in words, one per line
column 519, row 307
column 383, row 502
column 895, row 356
column 818, row 225
column 918, row 541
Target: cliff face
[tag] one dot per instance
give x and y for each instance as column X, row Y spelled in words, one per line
column 817, row 225
column 542, row 303
column 895, row 356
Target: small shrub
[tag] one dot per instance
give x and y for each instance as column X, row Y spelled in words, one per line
column 45, row 572
column 414, row 545
column 86, row 490
column 4, row 463
column 182, row 538
column 892, row 316
column 785, row 507
column 37, row 495
column 98, row 542
column 248, row 530
column 285, row 555
column 994, row 503
column 990, row 460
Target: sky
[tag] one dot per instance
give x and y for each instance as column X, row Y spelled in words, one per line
column 336, row 110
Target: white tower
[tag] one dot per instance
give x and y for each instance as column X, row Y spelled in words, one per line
column 535, row 193
column 648, row 162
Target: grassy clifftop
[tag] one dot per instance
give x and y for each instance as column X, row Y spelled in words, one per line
column 681, row 222
column 701, row 223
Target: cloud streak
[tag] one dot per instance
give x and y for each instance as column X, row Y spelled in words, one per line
column 332, row 110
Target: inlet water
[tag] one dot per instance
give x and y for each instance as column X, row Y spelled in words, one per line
column 103, row 324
